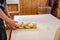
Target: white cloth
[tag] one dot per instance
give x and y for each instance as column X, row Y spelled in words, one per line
column 46, row 27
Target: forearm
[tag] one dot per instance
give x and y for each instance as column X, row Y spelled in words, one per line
column 6, row 10
column 3, row 16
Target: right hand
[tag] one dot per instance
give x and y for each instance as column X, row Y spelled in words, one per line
column 12, row 24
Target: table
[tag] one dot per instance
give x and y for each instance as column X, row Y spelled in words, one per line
column 47, row 26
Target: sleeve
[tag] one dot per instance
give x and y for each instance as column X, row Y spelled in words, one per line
column 0, row 4
column 5, row 2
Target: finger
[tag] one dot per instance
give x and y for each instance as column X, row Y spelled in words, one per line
column 16, row 21
column 14, row 28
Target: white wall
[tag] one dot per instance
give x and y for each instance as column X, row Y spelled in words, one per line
column 12, row 1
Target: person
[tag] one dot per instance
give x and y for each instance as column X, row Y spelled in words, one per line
column 4, row 16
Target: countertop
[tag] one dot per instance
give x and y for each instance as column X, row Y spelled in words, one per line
column 48, row 28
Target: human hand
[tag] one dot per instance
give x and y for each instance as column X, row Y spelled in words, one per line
column 12, row 24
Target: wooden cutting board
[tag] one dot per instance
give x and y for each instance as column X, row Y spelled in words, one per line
column 57, row 35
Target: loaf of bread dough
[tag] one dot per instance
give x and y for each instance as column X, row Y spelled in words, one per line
column 20, row 25
column 34, row 25
column 26, row 25
column 30, row 25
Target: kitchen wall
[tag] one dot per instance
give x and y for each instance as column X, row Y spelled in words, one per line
column 31, row 6
column 56, row 9
column 27, row 6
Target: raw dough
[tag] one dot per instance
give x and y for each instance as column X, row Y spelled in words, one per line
column 26, row 25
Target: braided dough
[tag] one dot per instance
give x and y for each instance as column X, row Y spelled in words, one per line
column 26, row 25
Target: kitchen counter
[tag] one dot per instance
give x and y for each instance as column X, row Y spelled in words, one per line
column 47, row 28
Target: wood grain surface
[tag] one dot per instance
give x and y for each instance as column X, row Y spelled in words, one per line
column 57, row 35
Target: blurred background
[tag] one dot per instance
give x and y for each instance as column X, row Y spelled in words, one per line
column 33, row 7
